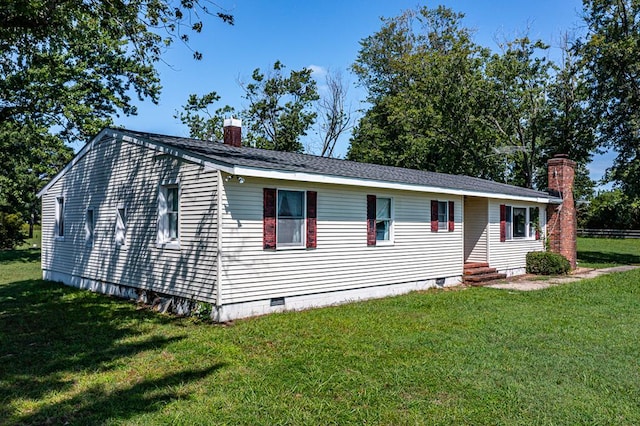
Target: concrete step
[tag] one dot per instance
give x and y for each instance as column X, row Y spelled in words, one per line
column 479, row 271
column 477, row 280
column 472, row 265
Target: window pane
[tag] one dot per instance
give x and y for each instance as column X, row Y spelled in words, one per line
column 121, row 226
column 88, row 226
column 290, row 231
column 443, row 215
column 383, row 208
column 172, row 199
column 382, row 230
column 509, row 227
column 291, row 204
column 519, row 222
column 173, row 225
column 60, row 217
column 533, row 220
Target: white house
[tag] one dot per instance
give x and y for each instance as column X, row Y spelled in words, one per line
column 252, row 231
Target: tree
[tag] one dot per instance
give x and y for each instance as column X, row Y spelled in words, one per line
column 520, row 78
column 70, row 65
column 611, row 53
column 611, row 210
column 280, row 108
column 424, row 79
column 201, row 123
column 570, row 121
column 335, row 118
column 30, row 155
column 67, row 67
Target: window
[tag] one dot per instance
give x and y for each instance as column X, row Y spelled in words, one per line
column 121, row 226
column 89, row 226
column 168, row 214
column 59, row 225
column 519, row 222
column 383, row 219
column 379, row 220
column 290, row 219
column 443, row 216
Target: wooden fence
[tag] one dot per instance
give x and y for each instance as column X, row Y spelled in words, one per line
column 609, row 233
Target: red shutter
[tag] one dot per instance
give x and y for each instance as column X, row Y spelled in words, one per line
column 269, row 218
column 434, row 215
column 452, row 220
column 312, row 202
column 371, row 220
column 503, row 222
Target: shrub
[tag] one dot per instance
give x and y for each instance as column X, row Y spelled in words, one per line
column 10, row 230
column 547, row 263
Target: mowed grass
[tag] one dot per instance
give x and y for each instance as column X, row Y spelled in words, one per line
column 607, row 252
column 565, row 355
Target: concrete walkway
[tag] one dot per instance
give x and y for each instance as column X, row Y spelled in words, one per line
column 538, row 282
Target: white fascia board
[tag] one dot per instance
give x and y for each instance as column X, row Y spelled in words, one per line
column 338, row 180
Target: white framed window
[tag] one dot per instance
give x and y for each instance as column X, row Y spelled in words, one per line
column 521, row 222
column 384, row 219
column 169, row 214
column 89, row 226
column 290, row 218
column 443, row 216
column 59, row 225
column 120, row 232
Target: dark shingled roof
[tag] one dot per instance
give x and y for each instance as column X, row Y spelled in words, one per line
column 220, row 153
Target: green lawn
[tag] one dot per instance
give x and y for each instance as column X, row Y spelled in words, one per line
column 606, row 252
column 565, row 355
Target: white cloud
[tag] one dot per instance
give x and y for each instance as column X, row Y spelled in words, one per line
column 317, row 72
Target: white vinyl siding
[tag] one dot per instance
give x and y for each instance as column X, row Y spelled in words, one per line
column 510, row 254
column 475, row 229
column 342, row 259
column 115, row 173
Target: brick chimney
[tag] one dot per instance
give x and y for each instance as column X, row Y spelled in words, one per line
column 562, row 221
column 232, row 132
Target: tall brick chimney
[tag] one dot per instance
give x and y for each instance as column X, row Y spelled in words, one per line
column 562, row 221
column 232, row 132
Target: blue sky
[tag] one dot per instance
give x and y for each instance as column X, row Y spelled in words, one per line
column 323, row 35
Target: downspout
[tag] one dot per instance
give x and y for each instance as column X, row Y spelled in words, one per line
column 217, row 313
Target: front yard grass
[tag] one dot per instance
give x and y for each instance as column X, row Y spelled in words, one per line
column 565, row 355
column 607, row 252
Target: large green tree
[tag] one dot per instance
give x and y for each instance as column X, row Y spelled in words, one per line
column 424, row 80
column 67, row 67
column 611, row 52
column 280, row 108
column 279, row 114
column 519, row 79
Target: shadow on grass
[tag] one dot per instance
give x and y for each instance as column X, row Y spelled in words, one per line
column 50, row 332
column 27, row 255
column 598, row 257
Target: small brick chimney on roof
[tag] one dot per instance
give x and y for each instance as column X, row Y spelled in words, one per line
column 232, row 132
column 562, row 221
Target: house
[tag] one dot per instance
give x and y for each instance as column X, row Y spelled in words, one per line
column 178, row 221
